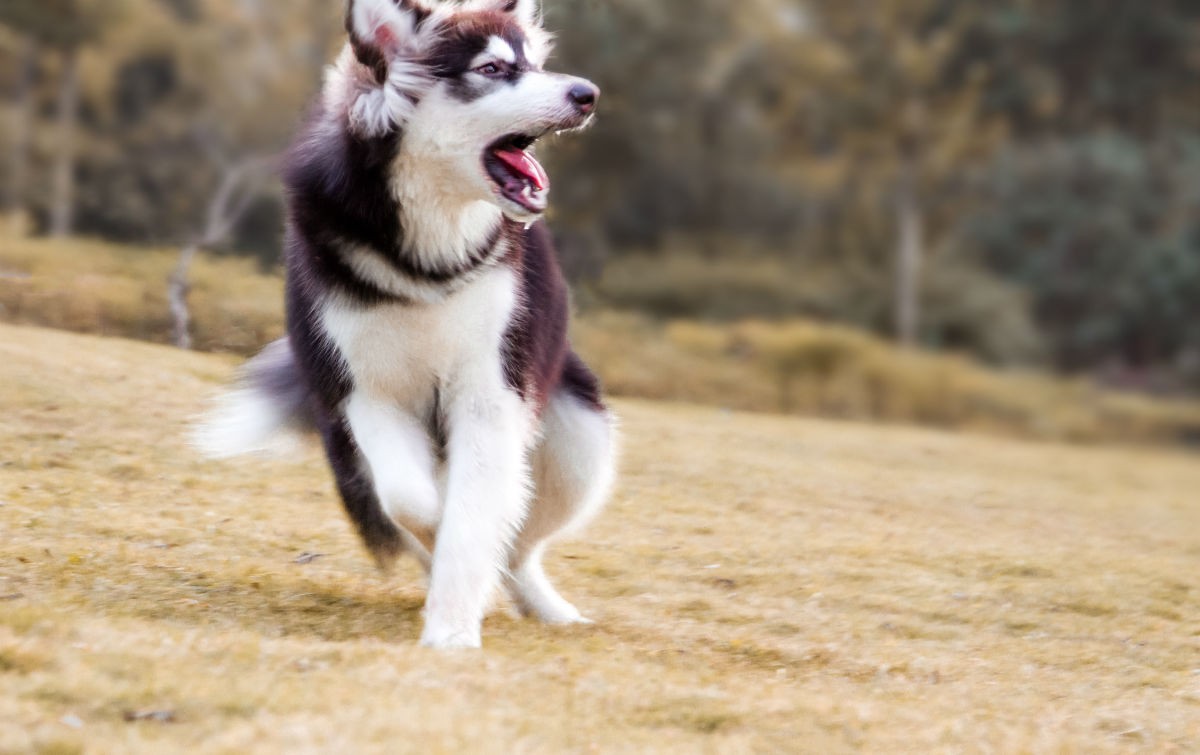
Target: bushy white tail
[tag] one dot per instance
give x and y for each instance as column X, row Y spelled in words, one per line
column 267, row 411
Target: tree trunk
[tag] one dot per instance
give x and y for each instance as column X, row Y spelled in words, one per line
column 62, row 212
column 229, row 202
column 178, row 286
column 908, row 256
column 14, row 194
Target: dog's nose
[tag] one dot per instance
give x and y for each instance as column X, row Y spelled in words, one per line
column 584, row 95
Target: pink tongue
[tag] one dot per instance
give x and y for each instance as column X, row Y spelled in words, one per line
column 523, row 164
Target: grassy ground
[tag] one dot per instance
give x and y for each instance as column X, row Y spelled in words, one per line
column 109, row 289
column 759, row 584
column 787, row 367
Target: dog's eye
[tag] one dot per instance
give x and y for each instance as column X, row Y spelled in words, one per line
column 488, row 69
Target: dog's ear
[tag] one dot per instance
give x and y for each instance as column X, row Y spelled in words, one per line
column 383, row 31
column 527, row 12
column 380, row 79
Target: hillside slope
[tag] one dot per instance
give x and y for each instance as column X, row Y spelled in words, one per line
column 759, row 584
column 786, row 367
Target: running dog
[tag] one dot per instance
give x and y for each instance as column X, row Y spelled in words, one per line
column 426, row 310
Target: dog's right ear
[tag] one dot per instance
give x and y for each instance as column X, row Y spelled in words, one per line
column 384, row 31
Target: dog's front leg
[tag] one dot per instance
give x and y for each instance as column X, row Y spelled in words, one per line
column 486, row 497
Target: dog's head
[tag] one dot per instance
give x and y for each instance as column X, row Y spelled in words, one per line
column 464, row 87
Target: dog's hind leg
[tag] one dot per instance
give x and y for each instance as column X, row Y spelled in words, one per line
column 573, row 468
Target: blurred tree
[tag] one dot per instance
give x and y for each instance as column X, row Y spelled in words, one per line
column 1105, row 234
column 161, row 83
column 1094, row 208
column 63, row 210
column 904, row 119
column 22, row 125
column 64, row 26
column 688, row 138
column 1073, row 67
column 780, row 126
column 234, row 195
column 938, row 169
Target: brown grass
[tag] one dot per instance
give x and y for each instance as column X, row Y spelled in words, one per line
column 800, row 367
column 788, row 367
column 760, row 585
column 106, row 289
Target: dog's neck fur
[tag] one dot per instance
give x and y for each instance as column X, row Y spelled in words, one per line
column 439, row 227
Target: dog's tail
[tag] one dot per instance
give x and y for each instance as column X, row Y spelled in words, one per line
column 268, row 409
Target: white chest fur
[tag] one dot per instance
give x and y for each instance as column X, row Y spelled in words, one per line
column 401, row 352
column 466, row 510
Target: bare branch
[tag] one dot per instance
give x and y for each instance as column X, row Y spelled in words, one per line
column 240, row 185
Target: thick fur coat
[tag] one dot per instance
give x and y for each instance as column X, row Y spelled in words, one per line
column 427, row 314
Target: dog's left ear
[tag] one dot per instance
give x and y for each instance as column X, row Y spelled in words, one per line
column 527, row 12
column 389, row 39
column 383, row 31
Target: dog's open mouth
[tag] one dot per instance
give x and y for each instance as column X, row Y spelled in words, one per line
column 519, row 177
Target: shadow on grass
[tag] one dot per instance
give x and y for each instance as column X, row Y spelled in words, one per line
column 273, row 606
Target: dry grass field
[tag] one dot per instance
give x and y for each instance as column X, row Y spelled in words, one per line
column 759, row 584
column 790, row 366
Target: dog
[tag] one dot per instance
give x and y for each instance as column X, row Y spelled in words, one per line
column 426, row 311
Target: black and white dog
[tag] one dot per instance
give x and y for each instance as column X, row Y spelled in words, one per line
column 427, row 314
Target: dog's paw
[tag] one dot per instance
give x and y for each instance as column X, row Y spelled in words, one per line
column 560, row 614
column 445, row 638
column 577, row 620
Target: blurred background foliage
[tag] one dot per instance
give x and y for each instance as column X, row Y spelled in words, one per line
column 1018, row 180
